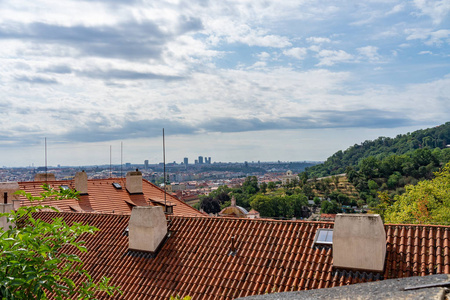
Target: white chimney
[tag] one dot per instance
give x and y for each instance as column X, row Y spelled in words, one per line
column 147, row 228
column 359, row 242
column 134, row 182
column 81, row 181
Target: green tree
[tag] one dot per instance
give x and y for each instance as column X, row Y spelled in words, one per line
column 210, row 205
column 264, row 205
column 369, row 167
column 250, row 185
column 330, row 207
column 263, row 187
column 428, row 202
column 271, row 186
column 31, row 263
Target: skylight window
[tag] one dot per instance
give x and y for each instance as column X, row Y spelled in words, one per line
column 324, row 236
column 64, row 187
column 117, row 185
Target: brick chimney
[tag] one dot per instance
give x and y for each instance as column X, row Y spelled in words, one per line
column 81, row 180
column 359, row 242
column 134, row 182
column 147, row 228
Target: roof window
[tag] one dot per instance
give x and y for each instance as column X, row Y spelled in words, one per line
column 64, row 187
column 117, row 185
column 324, row 236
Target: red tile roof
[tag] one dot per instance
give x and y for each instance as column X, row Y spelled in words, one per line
column 104, row 198
column 271, row 256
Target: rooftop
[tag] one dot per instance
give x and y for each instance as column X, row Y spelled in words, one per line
column 103, row 197
column 199, row 258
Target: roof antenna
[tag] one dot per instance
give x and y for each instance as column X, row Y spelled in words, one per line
column 121, row 159
column 164, row 162
column 46, row 171
column 110, row 155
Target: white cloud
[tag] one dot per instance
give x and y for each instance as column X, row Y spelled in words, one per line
column 370, row 53
column 425, row 52
column 331, row 57
column 298, row 53
column 263, row 56
column 429, row 37
column 437, row 10
column 318, row 40
column 396, row 9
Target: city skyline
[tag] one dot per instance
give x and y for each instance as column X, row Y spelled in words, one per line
column 240, row 80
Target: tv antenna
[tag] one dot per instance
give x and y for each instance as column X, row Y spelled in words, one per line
column 164, row 163
column 110, row 161
column 46, row 170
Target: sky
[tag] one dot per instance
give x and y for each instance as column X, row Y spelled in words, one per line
column 232, row 80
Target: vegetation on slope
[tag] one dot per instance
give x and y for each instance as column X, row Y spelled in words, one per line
column 382, row 147
column 428, row 202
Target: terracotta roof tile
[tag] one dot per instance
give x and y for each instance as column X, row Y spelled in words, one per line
column 104, row 198
column 271, row 256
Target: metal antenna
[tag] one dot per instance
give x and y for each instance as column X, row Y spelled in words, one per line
column 110, row 155
column 164, row 163
column 121, row 159
column 46, row 171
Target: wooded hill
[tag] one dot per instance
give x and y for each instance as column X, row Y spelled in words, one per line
column 431, row 138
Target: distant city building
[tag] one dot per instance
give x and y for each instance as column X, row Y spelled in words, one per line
column 146, row 164
column 200, row 160
column 186, row 161
column 196, row 161
column 127, row 165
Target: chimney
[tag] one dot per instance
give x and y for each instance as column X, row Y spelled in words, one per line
column 7, row 190
column 134, row 182
column 44, row 177
column 147, row 228
column 5, row 208
column 233, row 201
column 81, row 182
column 359, row 242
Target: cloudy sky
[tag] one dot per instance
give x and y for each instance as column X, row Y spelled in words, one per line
column 268, row 80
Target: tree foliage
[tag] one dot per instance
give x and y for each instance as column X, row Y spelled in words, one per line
column 428, row 202
column 32, row 265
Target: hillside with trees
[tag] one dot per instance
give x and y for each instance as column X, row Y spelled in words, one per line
column 428, row 202
column 383, row 147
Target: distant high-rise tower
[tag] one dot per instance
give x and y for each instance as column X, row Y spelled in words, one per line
column 146, row 164
column 186, row 161
column 209, row 160
column 200, row 159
